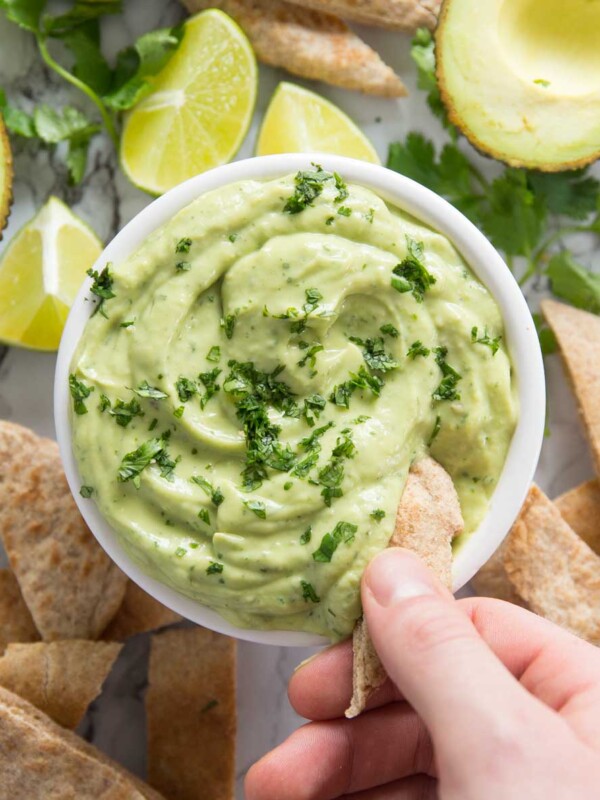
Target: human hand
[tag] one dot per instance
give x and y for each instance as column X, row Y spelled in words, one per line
column 486, row 700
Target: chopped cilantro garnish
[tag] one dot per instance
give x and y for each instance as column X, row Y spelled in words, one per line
column 542, row 82
column 204, row 516
column 411, row 275
column 330, row 476
column 343, row 532
column 180, row 552
column 101, row 287
column 183, row 266
column 310, row 443
column 308, row 592
column 369, row 216
column 377, row 514
column 86, row 491
column 375, row 355
column 178, row 412
column 166, row 464
column 257, row 507
column 80, row 391
column 313, row 405
column 215, row 494
column 214, row 354
column 145, row 390
column 127, row 324
column 360, row 419
column 153, row 424
column 310, row 355
column 436, row 429
column 389, row 330
column 342, row 393
column 133, row 464
column 417, row 349
column 447, row 388
column 228, row 324
column 329, row 220
column 104, row 403
column 306, row 535
column 344, row 211
column 308, row 186
column 232, row 237
column 186, row 388
column 209, row 381
column 214, row 568
column 125, row 412
column 183, row 245
column 340, row 185
column 493, row 344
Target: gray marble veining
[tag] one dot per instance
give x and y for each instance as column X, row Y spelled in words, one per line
column 107, row 201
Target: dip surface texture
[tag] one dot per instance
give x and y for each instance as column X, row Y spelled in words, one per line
column 247, row 404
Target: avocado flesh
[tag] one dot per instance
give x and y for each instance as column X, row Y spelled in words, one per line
column 6, row 176
column 521, row 78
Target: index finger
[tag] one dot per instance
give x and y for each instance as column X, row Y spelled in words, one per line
column 321, row 688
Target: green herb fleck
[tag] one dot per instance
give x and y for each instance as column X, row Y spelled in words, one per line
column 209, row 381
column 228, row 324
column 344, row 211
column 378, row 514
column 214, row 568
column 389, row 330
column 145, row 390
column 310, row 356
column 180, row 552
column 375, row 355
column 86, row 491
column 447, row 388
column 370, row 215
column 153, row 424
column 134, row 463
column 329, row 220
column 178, row 412
column 411, row 275
column 340, row 185
column 493, row 344
column 287, row 486
column 343, row 532
column 204, row 516
column 127, row 324
column 314, row 404
column 257, row 507
column 125, row 412
column 436, row 429
column 308, row 186
column 542, row 82
column 104, row 403
column 214, row 354
column 216, row 495
column 80, row 391
column 308, row 592
column 232, row 237
column 102, row 287
column 186, row 389
column 417, row 349
column 183, row 246
column 306, row 536
column 183, row 266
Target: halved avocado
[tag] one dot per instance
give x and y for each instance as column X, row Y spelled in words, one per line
column 521, row 78
column 6, row 176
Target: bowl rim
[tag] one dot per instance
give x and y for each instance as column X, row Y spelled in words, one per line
column 427, row 207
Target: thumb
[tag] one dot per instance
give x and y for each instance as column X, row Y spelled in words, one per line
column 434, row 655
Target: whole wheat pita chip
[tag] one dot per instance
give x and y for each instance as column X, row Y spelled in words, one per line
column 16, row 623
column 578, row 336
column 398, row 15
column 428, row 518
column 580, row 508
column 71, row 587
column 138, row 613
column 492, row 581
column 308, row 43
column 39, row 760
column 553, row 569
column 59, row 678
column 190, row 707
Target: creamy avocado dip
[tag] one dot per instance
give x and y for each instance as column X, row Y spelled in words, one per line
column 256, row 380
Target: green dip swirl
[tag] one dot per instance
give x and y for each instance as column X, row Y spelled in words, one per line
column 258, row 394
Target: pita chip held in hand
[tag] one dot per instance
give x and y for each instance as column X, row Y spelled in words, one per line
column 308, row 43
column 428, row 518
column 70, row 586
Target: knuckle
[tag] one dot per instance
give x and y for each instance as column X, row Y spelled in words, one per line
column 429, row 624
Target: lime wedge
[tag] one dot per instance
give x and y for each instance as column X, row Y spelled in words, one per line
column 6, row 175
column 199, row 110
column 41, row 271
column 299, row 121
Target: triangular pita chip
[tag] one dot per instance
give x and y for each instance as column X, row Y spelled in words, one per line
column 16, row 623
column 59, row 678
column 190, row 707
column 553, row 569
column 308, row 43
column 138, row 613
column 578, row 336
column 70, row 585
column 399, row 15
column 39, row 760
column 492, row 580
column 428, row 518
column 580, row 507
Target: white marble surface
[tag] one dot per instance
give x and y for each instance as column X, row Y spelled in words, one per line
column 107, row 201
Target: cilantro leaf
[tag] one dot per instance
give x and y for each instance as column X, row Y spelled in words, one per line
column 214, row 568
column 89, row 65
column 124, row 412
column 377, row 514
column 25, row 13
column 137, row 63
column 486, row 339
column 134, row 463
column 306, row 535
column 375, row 354
column 81, row 12
column 145, row 390
column 257, row 507
column 411, row 275
column 572, row 282
column 308, row 592
column 308, row 186
column 447, row 388
column 80, row 391
column 215, row 494
column 343, row 532
column 571, row 194
column 186, row 388
column 435, row 430
column 417, row 349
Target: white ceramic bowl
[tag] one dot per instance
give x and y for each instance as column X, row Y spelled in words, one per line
column 521, row 339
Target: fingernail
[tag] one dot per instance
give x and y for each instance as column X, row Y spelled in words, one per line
column 395, row 575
